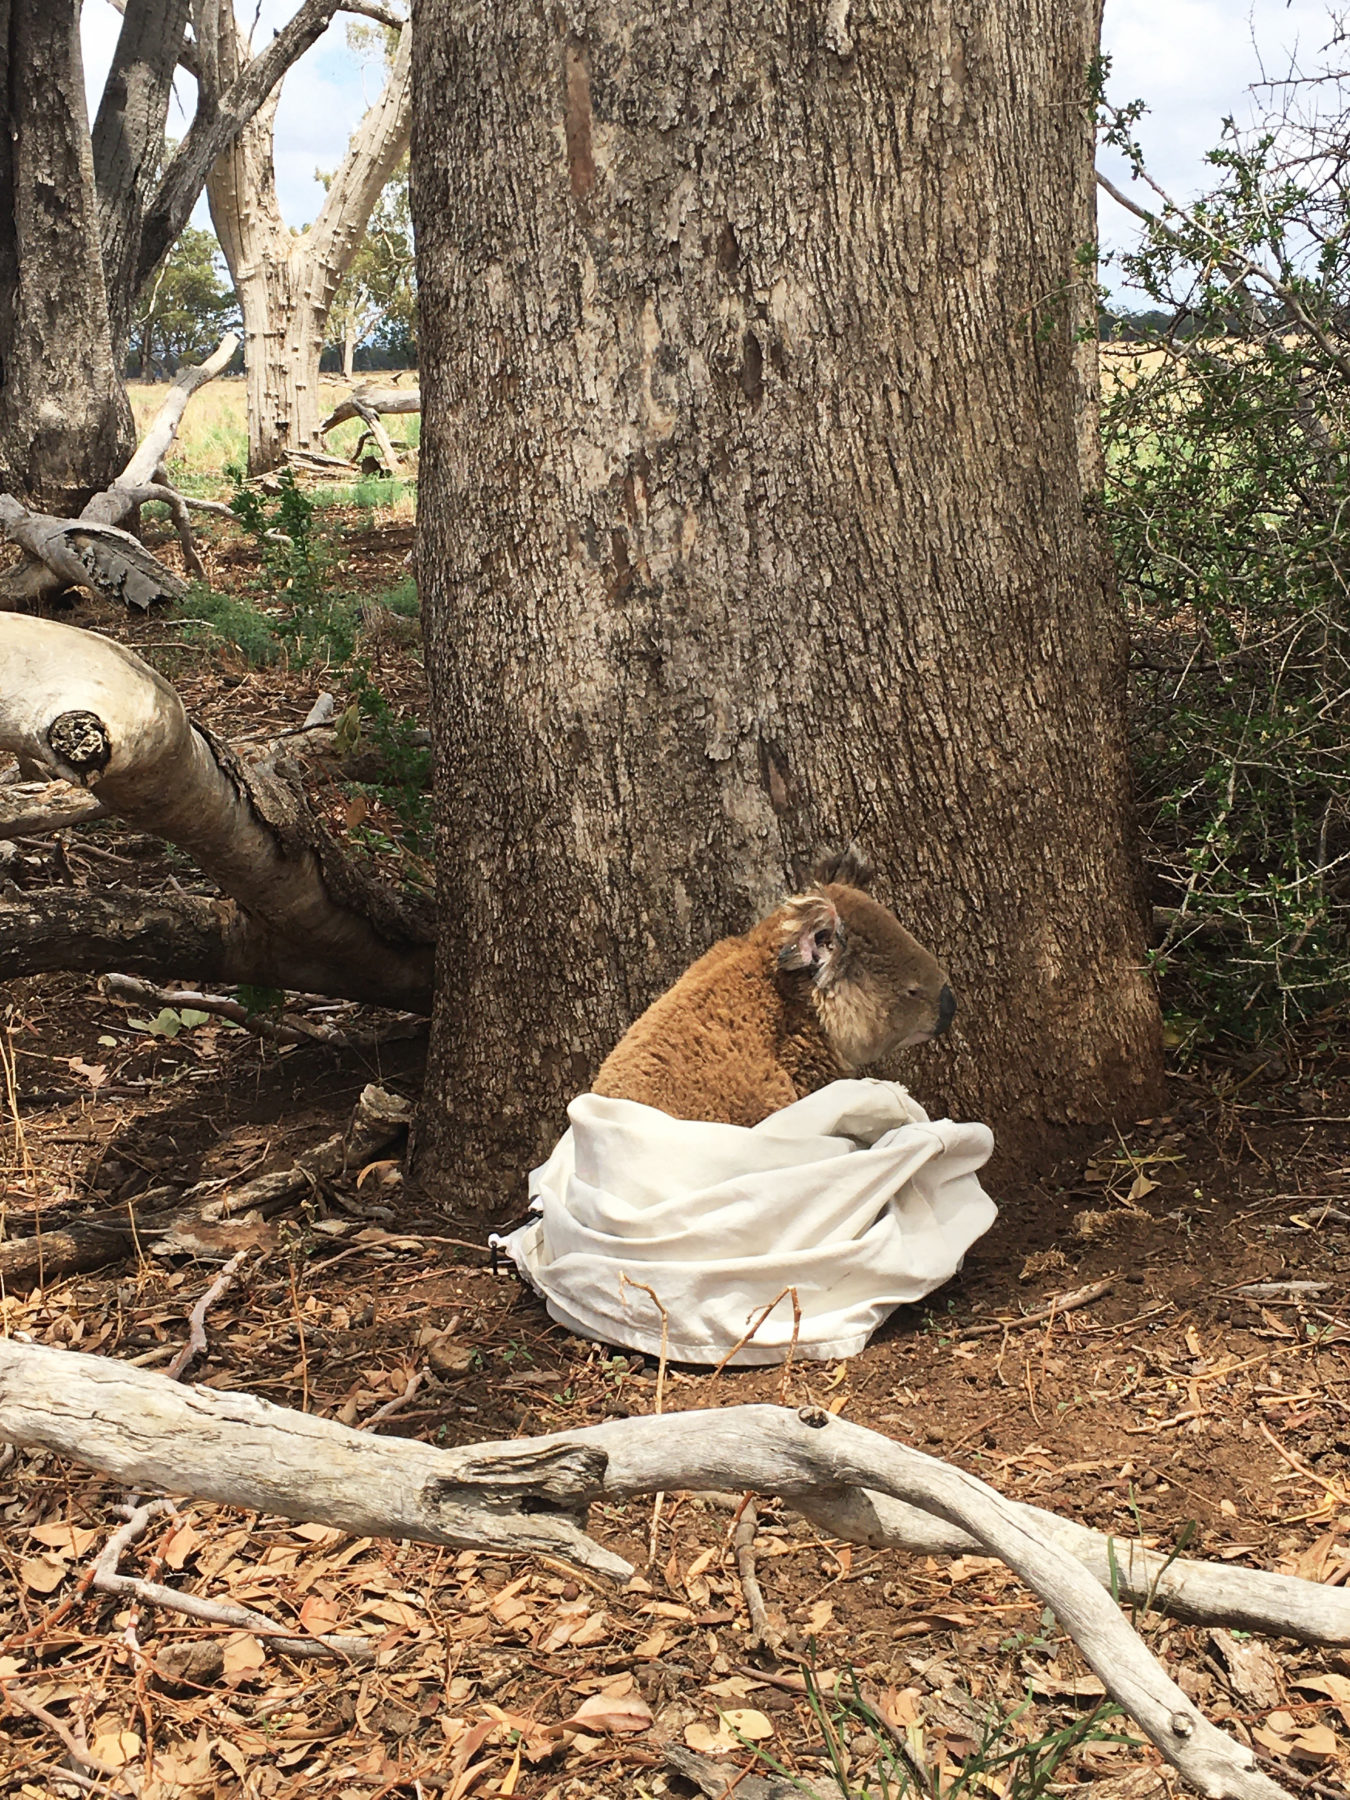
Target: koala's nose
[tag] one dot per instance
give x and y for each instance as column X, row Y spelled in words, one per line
column 946, row 1009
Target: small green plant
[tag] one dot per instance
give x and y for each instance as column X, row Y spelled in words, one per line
column 169, row 1023
column 892, row 1766
column 224, row 618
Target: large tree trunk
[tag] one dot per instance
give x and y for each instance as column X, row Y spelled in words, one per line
column 128, row 147
column 751, row 521
column 286, row 282
column 65, row 423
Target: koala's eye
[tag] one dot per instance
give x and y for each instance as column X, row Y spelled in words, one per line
column 914, row 992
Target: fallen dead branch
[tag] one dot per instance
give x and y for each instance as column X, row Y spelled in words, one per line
column 300, row 912
column 108, row 1580
column 364, row 401
column 94, row 551
column 192, row 1224
column 196, row 1342
column 531, row 1495
column 289, row 1028
column 1062, row 1303
column 743, row 1543
column 78, row 1753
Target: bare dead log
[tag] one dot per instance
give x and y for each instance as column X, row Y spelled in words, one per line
column 306, row 915
column 189, row 1222
column 367, row 402
column 33, row 808
column 531, row 1495
column 94, row 551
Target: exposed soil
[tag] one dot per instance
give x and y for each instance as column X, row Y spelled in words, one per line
column 1172, row 1404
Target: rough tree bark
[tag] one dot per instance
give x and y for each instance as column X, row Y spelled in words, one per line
column 286, row 280
column 750, row 521
column 65, row 427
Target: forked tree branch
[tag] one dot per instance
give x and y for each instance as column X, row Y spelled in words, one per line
column 531, row 1496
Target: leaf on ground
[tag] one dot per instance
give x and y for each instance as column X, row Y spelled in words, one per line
column 182, row 1545
column 74, row 1540
column 319, row 1615
column 703, row 1737
column 43, row 1574
column 116, row 1748
column 615, row 1713
column 243, row 1657
column 749, row 1722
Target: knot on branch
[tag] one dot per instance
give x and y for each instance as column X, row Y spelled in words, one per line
column 81, row 741
column 814, row 1416
column 555, row 1477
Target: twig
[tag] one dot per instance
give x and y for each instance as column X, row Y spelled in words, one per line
column 741, row 1342
column 85, row 1758
column 1062, row 1303
column 196, row 1343
column 657, row 1503
column 216, row 1612
column 743, row 1542
column 392, row 1406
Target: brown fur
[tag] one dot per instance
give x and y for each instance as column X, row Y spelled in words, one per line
column 829, row 982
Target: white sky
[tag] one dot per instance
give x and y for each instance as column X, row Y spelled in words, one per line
column 1192, row 61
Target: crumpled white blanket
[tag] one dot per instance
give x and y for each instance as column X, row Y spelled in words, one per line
column 852, row 1196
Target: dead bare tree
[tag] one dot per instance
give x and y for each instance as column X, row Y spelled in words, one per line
column 95, row 551
column 286, row 280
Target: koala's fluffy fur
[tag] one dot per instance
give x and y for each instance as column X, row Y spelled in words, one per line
column 828, row 983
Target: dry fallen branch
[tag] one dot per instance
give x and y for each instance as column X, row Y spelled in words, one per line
column 362, row 402
column 94, row 551
column 1062, row 1303
column 290, row 1028
column 108, row 1580
column 301, row 912
column 176, row 1229
column 531, row 1495
column 32, row 808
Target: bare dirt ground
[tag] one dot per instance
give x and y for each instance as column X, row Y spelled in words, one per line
column 1172, row 1407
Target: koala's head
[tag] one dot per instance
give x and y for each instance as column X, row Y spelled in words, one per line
column 874, row 987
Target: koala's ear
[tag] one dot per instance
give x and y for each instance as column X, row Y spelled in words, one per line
column 812, row 934
column 848, row 866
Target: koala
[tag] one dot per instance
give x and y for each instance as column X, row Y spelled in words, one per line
column 826, row 984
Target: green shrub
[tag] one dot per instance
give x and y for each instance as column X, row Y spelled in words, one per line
column 1226, row 494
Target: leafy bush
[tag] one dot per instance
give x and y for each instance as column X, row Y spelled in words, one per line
column 1227, row 484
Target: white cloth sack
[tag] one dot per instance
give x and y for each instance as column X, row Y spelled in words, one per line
column 853, row 1196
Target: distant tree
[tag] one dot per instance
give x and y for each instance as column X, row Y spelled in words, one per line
column 287, row 280
column 187, row 307
column 377, row 300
